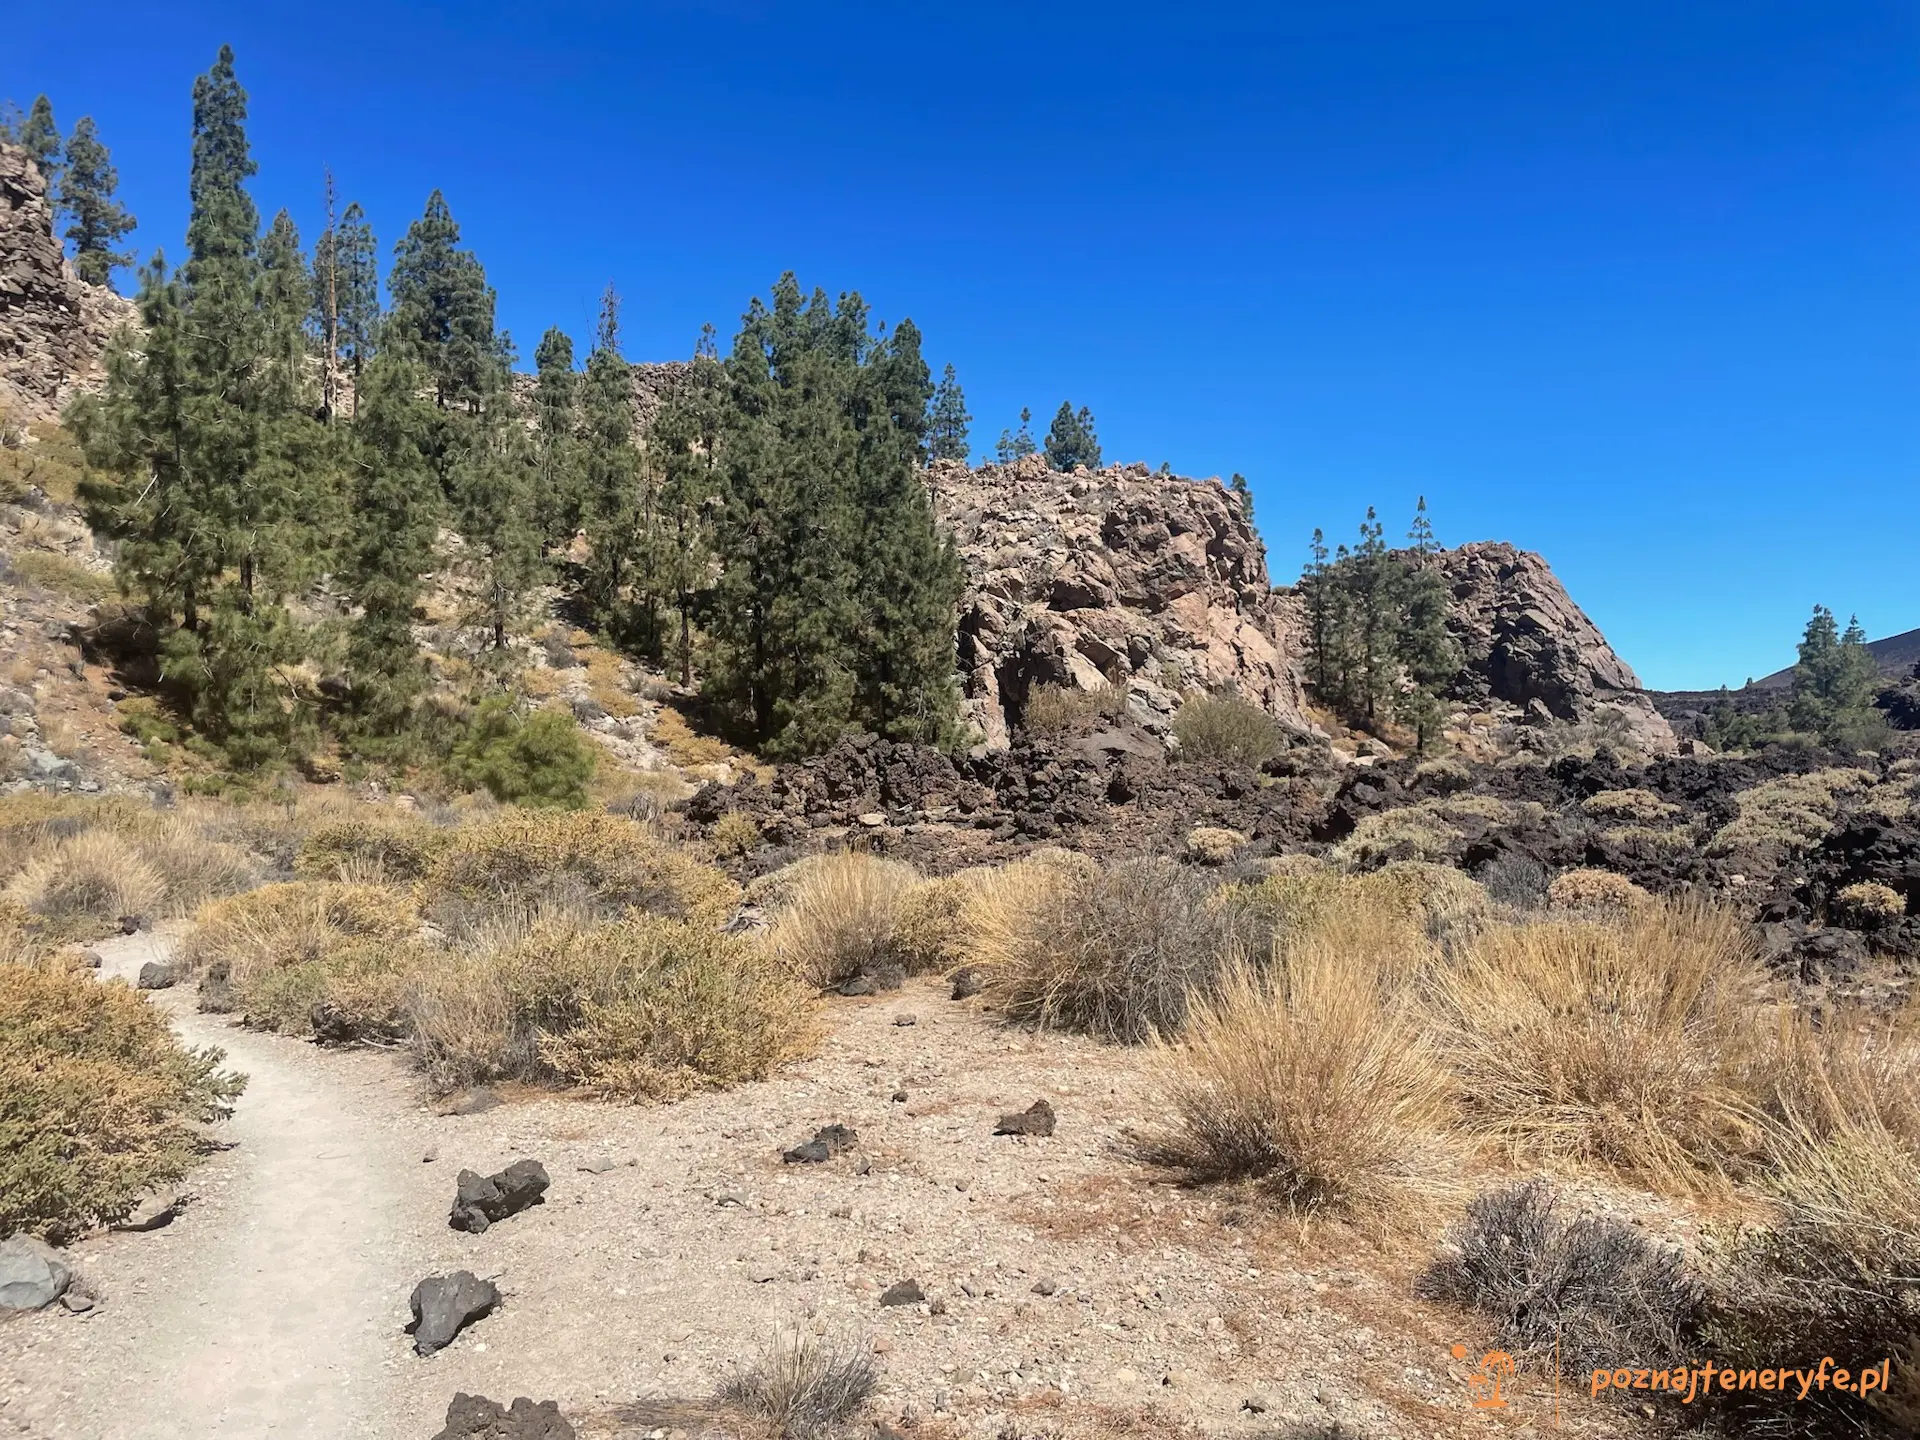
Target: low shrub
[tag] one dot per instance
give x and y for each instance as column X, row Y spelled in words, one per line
column 931, row 933
column 99, row 1104
column 542, row 760
column 1213, row 844
column 683, row 744
column 1633, row 1044
column 1053, row 712
column 1310, row 1077
column 1868, row 904
column 598, row 864
column 1637, row 807
column 63, row 575
column 1642, row 842
column 1516, row 879
column 1593, row 890
column 804, row 1387
column 1116, row 951
column 1445, row 773
column 735, row 834
column 1412, row 833
column 374, row 845
column 1595, row 1289
column 644, row 1008
column 277, row 952
column 1397, row 907
column 1788, row 816
column 842, row 918
column 1221, row 728
column 82, row 885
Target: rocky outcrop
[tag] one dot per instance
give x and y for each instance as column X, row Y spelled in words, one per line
column 53, row 326
column 1117, row 576
column 1525, row 641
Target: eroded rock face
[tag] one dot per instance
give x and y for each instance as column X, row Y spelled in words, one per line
column 1121, row 576
column 53, row 327
column 1526, row 640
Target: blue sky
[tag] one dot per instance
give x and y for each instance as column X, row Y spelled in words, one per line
column 1632, row 284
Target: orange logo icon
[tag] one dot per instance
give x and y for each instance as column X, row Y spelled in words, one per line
column 1483, row 1386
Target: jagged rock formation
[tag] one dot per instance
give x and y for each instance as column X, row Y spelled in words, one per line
column 53, row 326
column 654, row 382
column 1114, row 576
column 1525, row 640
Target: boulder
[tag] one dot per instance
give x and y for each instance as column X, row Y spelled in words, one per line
column 474, row 1417
column 156, row 975
column 479, row 1200
column 905, row 1292
column 32, row 1274
column 827, row 1142
column 968, row 981
column 444, row 1305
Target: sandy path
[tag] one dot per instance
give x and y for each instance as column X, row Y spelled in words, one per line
column 271, row 1307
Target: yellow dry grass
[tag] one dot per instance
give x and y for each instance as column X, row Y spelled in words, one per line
column 843, row 917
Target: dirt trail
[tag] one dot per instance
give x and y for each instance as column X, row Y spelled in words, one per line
column 269, row 1309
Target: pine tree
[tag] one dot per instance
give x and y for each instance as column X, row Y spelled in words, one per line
column 1834, row 684
column 1238, row 485
column 99, row 221
column 684, row 441
column 947, row 428
column 556, row 410
column 356, row 273
column 443, row 311
column 1426, row 650
column 1317, row 581
column 610, row 468
column 1016, row 444
column 40, row 138
column 1071, row 440
column 500, row 538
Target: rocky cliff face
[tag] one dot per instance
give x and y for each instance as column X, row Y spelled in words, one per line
column 53, row 327
column 1526, row 641
column 1114, row 576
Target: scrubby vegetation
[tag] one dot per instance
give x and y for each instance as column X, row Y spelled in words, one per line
column 1223, row 728
column 98, row 1102
column 842, row 917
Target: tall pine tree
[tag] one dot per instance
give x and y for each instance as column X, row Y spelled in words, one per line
column 556, row 413
column 99, row 221
column 947, row 427
column 1071, row 440
column 40, row 138
column 610, row 469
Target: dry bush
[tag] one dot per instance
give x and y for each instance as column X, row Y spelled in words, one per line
column 997, row 918
column 1414, row 832
column 1836, row 1274
column 1635, row 1044
column 1642, row 842
column 83, row 885
column 931, row 934
column 193, row 866
column 1514, row 878
column 1310, row 1077
column 1444, row 773
column 1117, row 952
column 62, row 575
column 277, row 952
column 396, row 847
column 1224, row 729
column 1213, row 844
column 1596, row 1289
column 644, row 1008
column 98, row 1102
column 1053, row 712
column 804, row 1386
column 1398, row 907
column 1636, row 807
column 734, row 834
column 598, row 863
column 842, row 918
column 683, row 744
column 1867, row 903
column 1593, row 890
column 1790, row 815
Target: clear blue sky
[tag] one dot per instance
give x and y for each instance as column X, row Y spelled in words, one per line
column 1633, row 284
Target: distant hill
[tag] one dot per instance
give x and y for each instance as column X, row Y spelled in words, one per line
column 1897, row 655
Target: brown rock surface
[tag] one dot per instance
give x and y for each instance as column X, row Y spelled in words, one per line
column 53, row 327
column 1154, row 582
column 1527, row 640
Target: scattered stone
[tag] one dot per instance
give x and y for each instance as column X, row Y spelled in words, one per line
column 1045, row 1285
column 474, row 1417
column 968, row 981
column 599, row 1165
column 906, row 1292
column 1258, row 1403
column 476, row 1101
column 433, row 1154
column 32, row 1274
column 761, row 1272
column 872, row 980
column 443, row 1305
column 882, row 1345
column 904, row 1020
column 827, row 1142
column 153, row 1214
column 937, row 1306
column 77, row 1301
column 731, row 1197
column 91, row 959
column 156, row 975
column 482, row 1199
column 857, row 985
column 899, row 1097
column 1036, row 1119
column 872, row 819
column 132, row 924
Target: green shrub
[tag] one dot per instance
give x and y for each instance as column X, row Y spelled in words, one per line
column 98, row 1102
column 543, row 760
column 1868, row 903
column 1639, row 807
column 1223, row 729
column 735, row 834
column 1791, row 814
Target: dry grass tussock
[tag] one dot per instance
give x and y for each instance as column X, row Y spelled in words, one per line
column 81, row 885
column 278, row 952
column 1636, row 807
column 387, row 845
column 1635, row 1044
column 803, row 1386
column 1311, row 1077
column 645, row 1008
column 842, row 917
column 1053, row 712
column 98, row 1102
column 601, row 865
column 1397, row 907
column 1117, row 951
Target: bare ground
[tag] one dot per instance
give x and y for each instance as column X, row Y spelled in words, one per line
column 1069, row 1293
